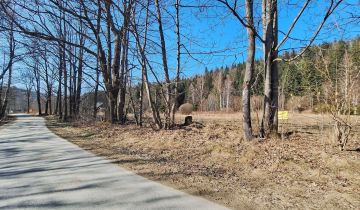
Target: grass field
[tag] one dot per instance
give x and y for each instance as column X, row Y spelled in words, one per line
column 306, row 170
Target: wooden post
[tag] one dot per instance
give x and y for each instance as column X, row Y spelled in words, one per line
column 188, row 120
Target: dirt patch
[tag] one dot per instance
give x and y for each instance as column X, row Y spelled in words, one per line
column 305, row 171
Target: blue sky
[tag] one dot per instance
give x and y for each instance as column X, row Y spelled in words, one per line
column 216, row 30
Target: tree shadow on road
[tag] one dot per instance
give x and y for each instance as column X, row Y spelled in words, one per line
column 40, row 170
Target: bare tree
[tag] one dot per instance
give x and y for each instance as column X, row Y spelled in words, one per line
column 168, row 90
column 27, row 80
column 248, row 23
column 141, row 46
column 270, row 49
column 338, row 93
column 33, row 62
column 9, row 69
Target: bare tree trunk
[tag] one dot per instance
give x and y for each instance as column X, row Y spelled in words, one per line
column 59, row 98
column 111, row 72
column 97, row 31
column 38, row 99
column 48, row 86
column 7, row 93
column 168, row 94
column 50, row 100
column 271, row 72
column 65, row 114
column 57, row 103
column 124, row 61
column 112, row 107
column 143, row 66
column 250, row 64
column 96, row 89
column 275, row 74
column 112, row 91
column 79, row 75
column 10, row 68
column 37, row 84
column 201, row 93
column 123, row 75
column 228, row 92
column 141, row 101
column 220, row 85
column 71, row 97
column 28, row 94
column 178, row 53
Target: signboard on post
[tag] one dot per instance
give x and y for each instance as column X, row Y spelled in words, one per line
column 283, row 115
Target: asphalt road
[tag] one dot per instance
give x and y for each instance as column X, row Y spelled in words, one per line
column 39, row 170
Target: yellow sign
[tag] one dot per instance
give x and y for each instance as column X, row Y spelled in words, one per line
column 283, row 115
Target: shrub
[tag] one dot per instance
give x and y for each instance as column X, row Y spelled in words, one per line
column 321, row 108
column 298, row 103
column 257, row 103
column 186, row 109
column 355, row 110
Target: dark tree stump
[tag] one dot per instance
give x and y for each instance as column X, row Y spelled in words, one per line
column 188, row 120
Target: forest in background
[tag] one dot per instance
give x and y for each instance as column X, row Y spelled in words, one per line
column 304, row 83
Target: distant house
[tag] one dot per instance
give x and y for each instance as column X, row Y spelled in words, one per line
column 99, row 105
column 101, row 111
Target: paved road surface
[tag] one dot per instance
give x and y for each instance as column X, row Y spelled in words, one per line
column 39, row 170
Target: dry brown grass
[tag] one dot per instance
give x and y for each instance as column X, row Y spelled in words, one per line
column 306, row 171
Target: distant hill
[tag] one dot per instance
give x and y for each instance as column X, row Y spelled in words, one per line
column 18, row 100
